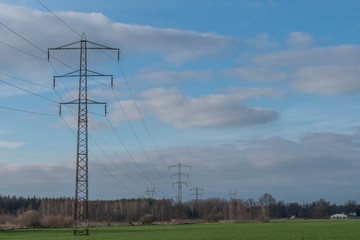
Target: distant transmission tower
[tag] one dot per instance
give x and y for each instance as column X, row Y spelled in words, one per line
column 150, row 192
column 81, row 206
column 196, row 194
column 232, row 194
column 179, row 174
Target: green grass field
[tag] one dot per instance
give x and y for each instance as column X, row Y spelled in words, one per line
column 316, row 230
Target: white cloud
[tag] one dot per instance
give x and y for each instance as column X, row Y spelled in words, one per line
column 166, row 77
column 36, row 180
column 256, row 74
column 7, row 144
column 176, row 46
column 331, row 140
column 328, row 70
column 220, row 110
column 299, row 40
column 243, row 93
column 45, row 31
column 328, row 80
column 344, row 54
column 261, row 41
column 122, row 108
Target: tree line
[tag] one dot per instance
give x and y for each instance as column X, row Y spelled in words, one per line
column 164, row 210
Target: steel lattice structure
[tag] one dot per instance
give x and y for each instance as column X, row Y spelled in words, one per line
column 179, row 174
column 81, row 206
column 196, row 194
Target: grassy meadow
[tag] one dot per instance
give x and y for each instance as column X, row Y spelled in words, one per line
column 290, row 230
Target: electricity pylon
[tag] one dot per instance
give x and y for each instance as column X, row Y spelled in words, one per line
column 179, row 174
column 196, row 194
column 150, row 192
column 232, row 197
column 232, row 194
column 81, row 206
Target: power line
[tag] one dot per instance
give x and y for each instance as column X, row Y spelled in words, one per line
column 25, row 52
column 27, row 111
column 106, row 169
column 131, row 157
column 24, row 80
column 59, row 18
column 116, row 179
column 141, row 116
column 108, row 157
column 128, row 152
column 138, row 110
column 35, row 94
column 137, row 138
column 37, row 84
column 132, row 128
column 102, row 84
column 102, row 165
column 93, row 140
column 49, row 55
column 113, row 130
column 81, row 205
column 32, row 44
column 22, row 51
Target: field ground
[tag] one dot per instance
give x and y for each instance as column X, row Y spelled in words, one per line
column 289, row 230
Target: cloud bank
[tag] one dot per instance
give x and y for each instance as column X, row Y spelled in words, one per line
column 175, row 46
column 320, row 165
column 218, row 110
column 321, row 70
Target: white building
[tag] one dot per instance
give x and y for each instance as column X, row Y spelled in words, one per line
column 339, row 216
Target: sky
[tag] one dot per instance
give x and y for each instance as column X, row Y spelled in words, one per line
column 255, row 95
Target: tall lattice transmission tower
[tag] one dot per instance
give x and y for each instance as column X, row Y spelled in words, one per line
column 179, row 175
column 81, row 206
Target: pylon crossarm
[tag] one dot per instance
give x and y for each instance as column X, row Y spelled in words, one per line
column 99, row 74
column 101, row 46
column 70, row 73
column 71, row 102
column 65, row 47
column 95, row 102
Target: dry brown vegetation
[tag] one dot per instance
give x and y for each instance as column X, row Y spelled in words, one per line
column 47, row 212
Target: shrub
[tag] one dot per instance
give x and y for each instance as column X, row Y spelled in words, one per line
column 30, row 218
column 7, row 219
column 217, row 217
column 147, row 219
column 68, row 222
column 53, row 221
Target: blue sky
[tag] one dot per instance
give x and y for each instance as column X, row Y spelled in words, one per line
column 257, row 96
